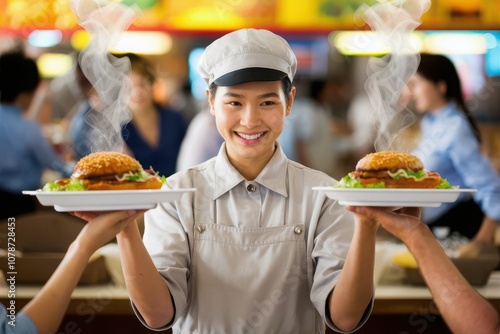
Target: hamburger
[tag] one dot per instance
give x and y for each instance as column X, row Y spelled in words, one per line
column 107, row 171
column 391, row 169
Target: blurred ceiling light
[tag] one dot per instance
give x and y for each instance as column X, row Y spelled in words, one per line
column 45, row 38
column 368, row 43
column 492, row 40
column 80, row 39
column 52, row 65
column 143, row 42
column 215, row 16
column 455, row 43
column 140, row 42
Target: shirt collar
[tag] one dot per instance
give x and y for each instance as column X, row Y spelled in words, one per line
column 443, row 112
column 273, row 176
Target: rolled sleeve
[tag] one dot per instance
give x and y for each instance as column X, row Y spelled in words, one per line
column 333, row 238
column 164, row 234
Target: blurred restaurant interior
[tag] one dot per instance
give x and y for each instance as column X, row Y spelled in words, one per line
column 331, row 44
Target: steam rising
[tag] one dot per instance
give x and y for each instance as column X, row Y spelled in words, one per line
column 393, row 22
column 105, row 21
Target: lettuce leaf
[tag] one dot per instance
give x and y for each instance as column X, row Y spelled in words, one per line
column 349, row 181
column 444, row 184
column 64, row 185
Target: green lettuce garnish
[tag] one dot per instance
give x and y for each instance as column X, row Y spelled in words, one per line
column 444, row 184
column 349, row 181
column 64, row 185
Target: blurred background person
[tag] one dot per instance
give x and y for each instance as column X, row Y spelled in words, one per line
column 202, row 141
column 155, row 134
column 79, row 130
column 313, row 118
column 184, row 102
column 450, row 145
column 25, row 152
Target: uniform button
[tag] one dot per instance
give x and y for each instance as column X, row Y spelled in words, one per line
column 200, row 228
column 298, row 230
column 251, row 188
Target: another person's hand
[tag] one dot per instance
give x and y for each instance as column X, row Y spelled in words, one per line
column 102, row 227
column 400, row 223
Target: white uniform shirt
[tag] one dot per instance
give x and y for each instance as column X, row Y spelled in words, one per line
column 244, row 256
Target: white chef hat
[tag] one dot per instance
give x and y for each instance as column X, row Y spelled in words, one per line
column 247, row 55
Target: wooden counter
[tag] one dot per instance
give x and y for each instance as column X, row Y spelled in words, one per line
column 389, row 299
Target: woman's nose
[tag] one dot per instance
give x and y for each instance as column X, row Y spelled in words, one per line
column 250, row 117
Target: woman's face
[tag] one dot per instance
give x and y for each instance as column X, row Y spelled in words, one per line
column 250, row 117
column 141, row 96
column 427, row 95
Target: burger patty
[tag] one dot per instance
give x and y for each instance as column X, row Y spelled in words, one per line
column 106, row 177
column 378, row 174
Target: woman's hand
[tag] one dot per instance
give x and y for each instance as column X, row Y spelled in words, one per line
column 102, row 227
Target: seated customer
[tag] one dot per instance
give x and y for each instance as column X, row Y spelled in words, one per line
column 25, row 151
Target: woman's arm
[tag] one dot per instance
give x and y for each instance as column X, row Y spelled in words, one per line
column 354, row 288
column 464, row 310
column 147, row 289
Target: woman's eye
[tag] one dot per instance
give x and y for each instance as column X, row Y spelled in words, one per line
column 234, row 103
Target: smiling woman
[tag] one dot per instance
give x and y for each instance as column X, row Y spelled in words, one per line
column 213, row 262
column 250, row 117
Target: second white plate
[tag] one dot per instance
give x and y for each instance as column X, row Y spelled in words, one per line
column 392, row 197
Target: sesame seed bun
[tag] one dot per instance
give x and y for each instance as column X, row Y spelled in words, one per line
column 105, row 163
column 104, row 170
column 389, row 160
column 382, row 167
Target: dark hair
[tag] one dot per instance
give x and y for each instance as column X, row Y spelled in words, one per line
column 18, row 74
column 142, row 66
column 437, row 68
column 315, row 88
column 286, row 85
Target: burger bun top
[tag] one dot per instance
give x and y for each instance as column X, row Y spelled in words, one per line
column 389, row 160
column 105, row 163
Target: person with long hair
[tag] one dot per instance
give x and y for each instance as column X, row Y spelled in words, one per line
column 450, row 144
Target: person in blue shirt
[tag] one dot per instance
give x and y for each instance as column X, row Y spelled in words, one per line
column 44, row 313
column 450, row 144
column 155, row 134
column 25, row 152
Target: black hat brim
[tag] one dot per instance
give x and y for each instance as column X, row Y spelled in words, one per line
column 249, row 75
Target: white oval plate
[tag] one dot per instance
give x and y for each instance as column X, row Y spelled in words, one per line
column 106, row 200
column 392, row 197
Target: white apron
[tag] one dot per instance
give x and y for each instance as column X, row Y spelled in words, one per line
column 258, row 288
